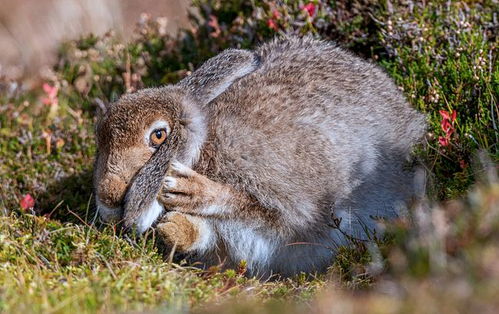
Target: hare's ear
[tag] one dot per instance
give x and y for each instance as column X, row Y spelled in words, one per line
column 139, row 209
column 218, row 73
column 102, row 106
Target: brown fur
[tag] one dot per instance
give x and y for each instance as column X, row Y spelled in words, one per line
column 193, row 191
column 122, row 151
column 178, row 232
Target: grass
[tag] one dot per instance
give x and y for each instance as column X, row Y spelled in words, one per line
column 48, row 266
column 55, row 257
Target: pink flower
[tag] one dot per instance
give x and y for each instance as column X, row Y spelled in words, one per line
column 27, row 202
column 310, row 8
column 276, row 15
column 213, row 23
column 51, row 92
column 272, row 24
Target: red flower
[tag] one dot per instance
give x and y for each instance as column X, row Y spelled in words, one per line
column 27, row 202
column 310, row 8
column 444, row 114
column 272, row 24
column 463, row 164
column 448, row 116
column 444, row 141
column 446, row 126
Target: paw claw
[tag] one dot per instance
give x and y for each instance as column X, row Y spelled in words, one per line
column 170, row 182
column 170, row 195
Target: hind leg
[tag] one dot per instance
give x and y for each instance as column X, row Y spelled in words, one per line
column 186, row 233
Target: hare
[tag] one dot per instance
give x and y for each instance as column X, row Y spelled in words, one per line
column 274, row 156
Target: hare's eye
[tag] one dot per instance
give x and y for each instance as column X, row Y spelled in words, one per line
column 157, row 137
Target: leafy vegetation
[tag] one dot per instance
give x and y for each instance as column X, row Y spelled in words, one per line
column 55, row 256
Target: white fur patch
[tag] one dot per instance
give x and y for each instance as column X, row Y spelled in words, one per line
column 181, row 168
column 265, row 252
column 206, row 239
column 245, row 243
column 212, row 210
column 106, row 213
column 149, row 216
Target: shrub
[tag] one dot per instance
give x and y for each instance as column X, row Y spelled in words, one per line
column 442, row 54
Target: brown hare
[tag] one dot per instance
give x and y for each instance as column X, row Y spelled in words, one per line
column 274, row 156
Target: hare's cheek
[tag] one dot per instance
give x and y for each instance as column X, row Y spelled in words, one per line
column 108, row 214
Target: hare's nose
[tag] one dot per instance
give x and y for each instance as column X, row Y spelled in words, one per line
column 111, row 190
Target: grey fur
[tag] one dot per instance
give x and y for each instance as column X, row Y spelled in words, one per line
column 218, row 73
column 310, row 134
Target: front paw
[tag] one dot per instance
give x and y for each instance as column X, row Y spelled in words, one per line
column 178, row 232
column 187, row 191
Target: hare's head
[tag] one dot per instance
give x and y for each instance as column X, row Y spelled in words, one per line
column 132, row 131
column 139, row 136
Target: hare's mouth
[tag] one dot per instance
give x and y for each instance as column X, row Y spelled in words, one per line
column 146, row 220
column 109, row 214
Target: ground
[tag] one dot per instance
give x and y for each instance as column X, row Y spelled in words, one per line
column 55, row 256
